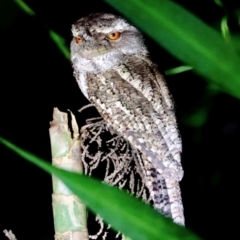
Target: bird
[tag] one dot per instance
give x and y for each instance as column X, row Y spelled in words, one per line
column 113, row 70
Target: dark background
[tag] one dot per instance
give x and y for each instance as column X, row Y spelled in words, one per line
column 35, row 77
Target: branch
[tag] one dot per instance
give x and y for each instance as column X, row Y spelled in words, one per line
column 68, row 210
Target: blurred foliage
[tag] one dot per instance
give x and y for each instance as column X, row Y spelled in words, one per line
column 25, row 7
column 60, row 42
column 187, row 38
column 124, row 219
column 177, row 70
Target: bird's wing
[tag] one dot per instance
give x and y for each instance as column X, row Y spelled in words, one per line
column 133, row 103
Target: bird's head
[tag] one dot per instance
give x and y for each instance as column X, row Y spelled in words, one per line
column 104, row 39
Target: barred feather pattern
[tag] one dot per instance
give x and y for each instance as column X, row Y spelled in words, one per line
column 110, row 158
column 132, row 97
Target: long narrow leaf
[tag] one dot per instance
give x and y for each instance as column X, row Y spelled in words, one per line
column 186, row 37
column 124, row 212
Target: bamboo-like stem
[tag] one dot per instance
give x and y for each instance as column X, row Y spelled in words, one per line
column 69, row 212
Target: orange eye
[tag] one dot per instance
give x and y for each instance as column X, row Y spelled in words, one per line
column 78, row 40
column 114, row 35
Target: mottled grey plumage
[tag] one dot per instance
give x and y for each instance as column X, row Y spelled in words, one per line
column 112, row 68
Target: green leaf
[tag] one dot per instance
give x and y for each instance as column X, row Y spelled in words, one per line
column 25, row 7
column 177, row 70
column 124, row 212
column 187, row 38
column 225, row 28
column 60, row 42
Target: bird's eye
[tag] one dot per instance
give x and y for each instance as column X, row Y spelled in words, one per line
column 114, row 35
column 78, row 40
